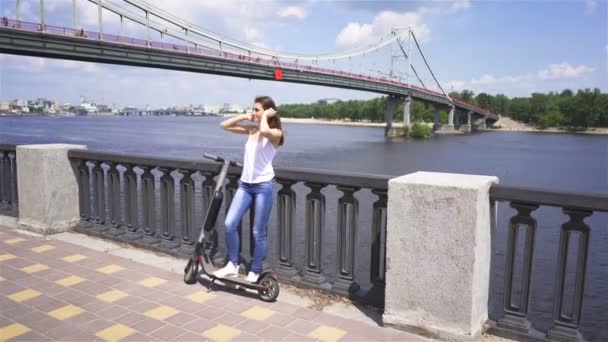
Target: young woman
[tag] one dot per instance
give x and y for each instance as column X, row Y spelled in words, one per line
column 256, row 187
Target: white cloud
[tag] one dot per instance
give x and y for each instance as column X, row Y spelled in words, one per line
column 357, row 34
column 563, row 70
column 293, row 11
column 548, row 78
column 590, row 6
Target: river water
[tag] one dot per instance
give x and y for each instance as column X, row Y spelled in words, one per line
column 544, row 160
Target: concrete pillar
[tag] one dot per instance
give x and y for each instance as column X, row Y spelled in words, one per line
column 48, row 188
column 437, row 123
column 407, row 114
column 391, row 102
column 483, row 124
column 438, row 253
column 451, row 116
column 467, row 127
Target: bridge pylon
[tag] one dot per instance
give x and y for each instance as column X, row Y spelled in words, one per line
column 391, row 102
column 407, row 111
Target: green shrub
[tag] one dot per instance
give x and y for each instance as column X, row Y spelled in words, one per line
column 420, row 131
column 406, row 131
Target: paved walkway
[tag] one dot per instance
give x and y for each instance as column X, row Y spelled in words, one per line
column 55, row 290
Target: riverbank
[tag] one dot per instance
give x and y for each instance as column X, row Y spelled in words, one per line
column 506, row 125
column 337, row 122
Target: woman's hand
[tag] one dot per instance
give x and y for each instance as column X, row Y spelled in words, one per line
column 270, row 112
column 250, row 116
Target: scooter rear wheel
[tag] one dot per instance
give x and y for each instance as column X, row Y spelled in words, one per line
column 271, row 289
column 190, row 272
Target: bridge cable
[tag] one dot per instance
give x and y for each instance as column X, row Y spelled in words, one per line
column 243, row 46
column 414, row 69
column 430, row 70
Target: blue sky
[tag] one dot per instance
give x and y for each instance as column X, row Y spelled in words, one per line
column 509, row 47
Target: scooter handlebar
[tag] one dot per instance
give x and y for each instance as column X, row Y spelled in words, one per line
column 212, row 157
column 221, row 160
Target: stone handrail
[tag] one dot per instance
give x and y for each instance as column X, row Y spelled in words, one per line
column 168, row 186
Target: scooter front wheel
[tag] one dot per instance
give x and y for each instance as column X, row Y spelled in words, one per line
column 270, row 290
column 190, row 272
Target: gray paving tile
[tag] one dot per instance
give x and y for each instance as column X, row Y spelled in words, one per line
column 168, row 332
column 274, row 333
column 200, row 325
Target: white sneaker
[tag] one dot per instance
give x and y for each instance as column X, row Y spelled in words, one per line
column 230, row 270
column 252, row 277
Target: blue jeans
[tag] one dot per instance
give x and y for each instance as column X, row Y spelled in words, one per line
column 261, row 194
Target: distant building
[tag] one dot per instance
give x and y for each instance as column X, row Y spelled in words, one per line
column 4, row 107
column 86, row 107
column 211, row 109
column 231, row 108
column 19, row 103
column 235, row 109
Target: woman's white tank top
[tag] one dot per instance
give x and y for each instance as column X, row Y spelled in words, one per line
column 257, row 162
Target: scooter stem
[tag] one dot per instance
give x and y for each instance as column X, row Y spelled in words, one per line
column 222, row 176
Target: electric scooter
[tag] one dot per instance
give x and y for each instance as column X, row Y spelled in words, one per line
column 267, row 284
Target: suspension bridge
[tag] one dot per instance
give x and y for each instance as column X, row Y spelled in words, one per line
column 187, row 47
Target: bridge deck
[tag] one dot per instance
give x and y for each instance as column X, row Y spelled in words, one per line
column 59, row 42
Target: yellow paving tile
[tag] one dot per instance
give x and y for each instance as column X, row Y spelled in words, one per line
column 111, row 296
column 200, row 296
column 161, row 312
column 34, row 268
column 12, row 330
column 43, row 248
column 24, row 295
column 110, row 269
column 257, row 313
column 152, row 282
column 115, row 333
column 14, row 241
column 5, row 257
column 73, row 258
column 327, row 334
column 221, row 333
column 69, row 281
column 65, row 312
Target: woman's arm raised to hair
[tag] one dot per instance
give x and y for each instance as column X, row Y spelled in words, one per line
column 231, row 124
column 266, row 131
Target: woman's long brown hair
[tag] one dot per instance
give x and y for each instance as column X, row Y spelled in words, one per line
column 273, row 122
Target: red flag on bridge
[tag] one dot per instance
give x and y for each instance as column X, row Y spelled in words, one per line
column 278, row 74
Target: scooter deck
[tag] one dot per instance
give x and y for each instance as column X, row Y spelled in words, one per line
column 210, row 269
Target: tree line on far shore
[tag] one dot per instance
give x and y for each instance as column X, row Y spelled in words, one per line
column 585, row 108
